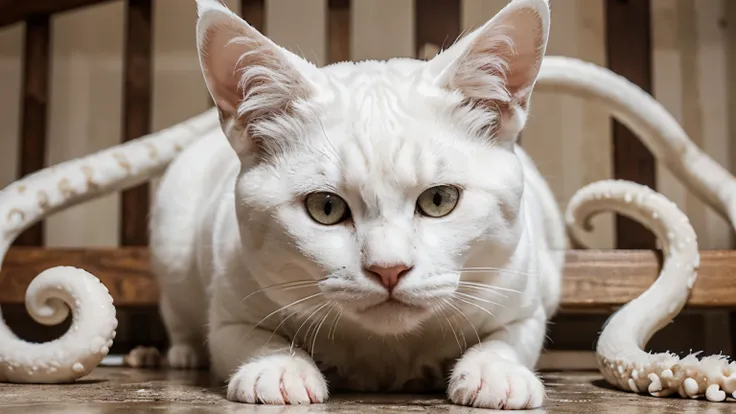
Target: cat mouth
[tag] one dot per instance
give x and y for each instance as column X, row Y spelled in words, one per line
column 392, row 304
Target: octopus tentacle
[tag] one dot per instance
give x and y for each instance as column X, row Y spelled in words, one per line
column 56, row 291
column 620, row 349
column 650, row 121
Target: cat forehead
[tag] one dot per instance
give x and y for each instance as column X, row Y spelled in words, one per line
column 384, row 127
column 376, row 93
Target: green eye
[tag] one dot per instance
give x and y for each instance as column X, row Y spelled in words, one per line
column 438, row 201
column 327, row 208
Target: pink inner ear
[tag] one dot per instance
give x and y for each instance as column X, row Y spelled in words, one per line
column 526, row 58
column 220, row 59
column 518, row 40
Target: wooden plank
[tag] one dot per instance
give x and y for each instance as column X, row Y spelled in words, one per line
column 338, row 31
column 436, row 25
column 382, row 29
column 137, row 77
column 628, row 41
column 123, row 270
column 36, row 72
column 299, row 26
column 14, row 11
column 599, row 280
column 252, row 11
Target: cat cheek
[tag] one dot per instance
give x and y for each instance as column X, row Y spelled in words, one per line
column 431, row 239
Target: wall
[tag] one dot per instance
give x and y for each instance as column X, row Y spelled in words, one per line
column 570, row 140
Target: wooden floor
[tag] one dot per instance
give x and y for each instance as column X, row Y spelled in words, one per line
column 122, row 390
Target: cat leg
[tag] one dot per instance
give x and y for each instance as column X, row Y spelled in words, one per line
column 262, row 368
column 497, row 373
column 184, row 318
column 186, row 334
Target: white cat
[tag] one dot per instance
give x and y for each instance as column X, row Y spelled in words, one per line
column 364, row 226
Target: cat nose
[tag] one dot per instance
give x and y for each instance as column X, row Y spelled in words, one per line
column 389, row 275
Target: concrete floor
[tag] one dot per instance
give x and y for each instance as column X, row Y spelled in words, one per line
column 125, row 390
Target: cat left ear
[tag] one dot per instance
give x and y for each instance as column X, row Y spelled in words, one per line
column 249, row 77
column 496, row 66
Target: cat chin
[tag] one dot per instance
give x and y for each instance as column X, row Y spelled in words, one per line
column 390, row 317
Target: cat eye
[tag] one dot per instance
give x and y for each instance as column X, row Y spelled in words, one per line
column 327, row 208
column 438, row 201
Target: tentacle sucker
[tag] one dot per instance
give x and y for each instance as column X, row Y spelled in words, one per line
column 620, row 350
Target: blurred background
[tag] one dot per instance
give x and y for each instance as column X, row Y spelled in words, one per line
column 681, row 51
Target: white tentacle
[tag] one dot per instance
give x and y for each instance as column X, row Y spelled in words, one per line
column 650, row 121
column 620, row 350
column 55, row 291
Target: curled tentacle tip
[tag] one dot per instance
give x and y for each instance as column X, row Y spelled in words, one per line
column 667, row 374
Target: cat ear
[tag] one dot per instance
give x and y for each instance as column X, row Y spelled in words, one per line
column 249, row 77
column 496, row 66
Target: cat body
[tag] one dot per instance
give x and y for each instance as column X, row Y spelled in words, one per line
column 367, row 226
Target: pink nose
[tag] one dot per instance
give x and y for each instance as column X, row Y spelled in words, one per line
column 389, row 276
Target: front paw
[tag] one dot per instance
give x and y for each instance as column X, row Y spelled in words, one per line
column 485, row 380
column 278, row 379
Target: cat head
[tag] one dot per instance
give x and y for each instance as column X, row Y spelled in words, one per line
column 377, row 179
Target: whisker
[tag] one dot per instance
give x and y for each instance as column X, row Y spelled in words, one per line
column 316, row 332
column 296, row 302
column 466, row 318
column 478, row 299
column 286, row 318
column 334, row 325
column 477, row 288
column 312, row 326
column 477, row 306
column 439, row 322
column 451, row 328
column 493, row 269
column 490, row 287
column 296, row 335
column 286, row 285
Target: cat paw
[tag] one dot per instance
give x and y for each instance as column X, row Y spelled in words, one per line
column 488, row 381
column 143, row 357
column 184, row 356
column 278, row 379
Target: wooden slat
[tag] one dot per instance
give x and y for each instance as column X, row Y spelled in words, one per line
column 14, row 11
column 436, row 24
column 628, row 36
column 339, row 30
column 382, row 29
column 252, row 12
column 299, row 26
column 123, row 270
column 594, row 279
column 138, row 73
column 36, row 71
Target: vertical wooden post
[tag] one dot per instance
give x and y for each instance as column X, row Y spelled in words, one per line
column 437, row 24
column 339, row 30
column 137, row 77
column 36, row 71
column 252, row 11
column 628, row 41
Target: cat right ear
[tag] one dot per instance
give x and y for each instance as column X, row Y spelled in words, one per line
column 249, row 77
